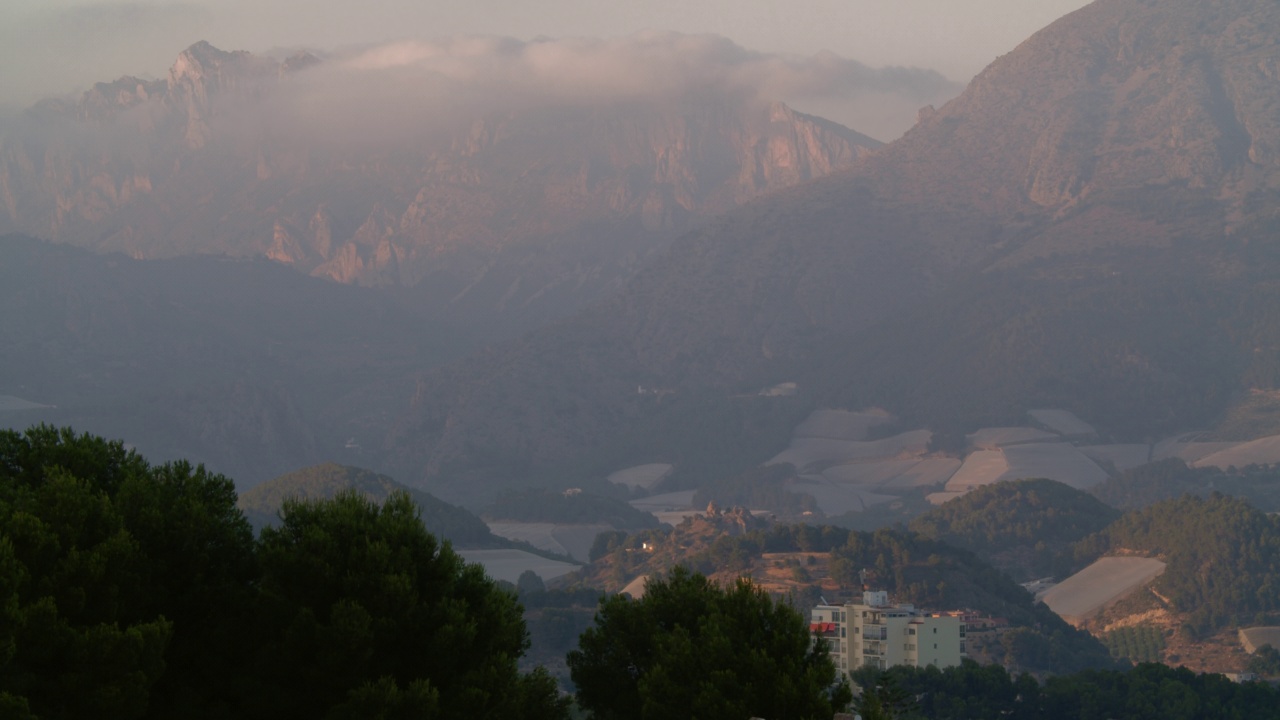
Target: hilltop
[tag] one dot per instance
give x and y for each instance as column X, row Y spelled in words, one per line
column 262, row 503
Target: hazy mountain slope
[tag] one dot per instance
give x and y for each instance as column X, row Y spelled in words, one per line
column 1092, row 222
column 1145, row 343
column 497, row 214
column 450, row 522
column 244, row 365
column 1118, row 95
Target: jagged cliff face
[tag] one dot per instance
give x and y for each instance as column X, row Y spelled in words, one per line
column 498, row 210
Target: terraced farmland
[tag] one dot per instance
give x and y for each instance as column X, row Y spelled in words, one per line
column 1138, row 644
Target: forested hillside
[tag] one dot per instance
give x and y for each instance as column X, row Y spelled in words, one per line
column 913, row 568
column 1020, row 527
column 1223, row 557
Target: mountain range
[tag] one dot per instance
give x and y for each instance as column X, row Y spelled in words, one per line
column 493, row 214
column 1091, row 225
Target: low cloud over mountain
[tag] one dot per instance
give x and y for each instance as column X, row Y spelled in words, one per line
column 412, row 75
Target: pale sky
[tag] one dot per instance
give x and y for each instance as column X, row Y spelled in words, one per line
column 52, row 47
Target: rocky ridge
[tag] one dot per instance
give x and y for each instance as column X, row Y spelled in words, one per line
column 527, row 211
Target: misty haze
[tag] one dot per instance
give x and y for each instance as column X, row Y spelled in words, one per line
column 665, row 361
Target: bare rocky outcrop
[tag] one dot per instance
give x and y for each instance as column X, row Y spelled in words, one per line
column 533, row 209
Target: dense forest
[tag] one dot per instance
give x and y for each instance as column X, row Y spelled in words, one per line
column 1020, row 527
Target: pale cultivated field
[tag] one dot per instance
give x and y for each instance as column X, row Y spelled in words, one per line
column 993, row 438
column 635, row 588
column 572, row 540
column 1093, row 588
column 805, row 452
column 1255, row 637
column 1264, row 451
column 926, row 473
column 840, row 424
column 643, row 476
column 945, row 496
column 509, row 564
column 10, row 403
column 839, row 499
column 1189, row 452
column 980, row 468
column 1062, row 421
column 1122, row 457
column 894, row 474
column 680, row 500
column 1056, row 461
column 868, row 474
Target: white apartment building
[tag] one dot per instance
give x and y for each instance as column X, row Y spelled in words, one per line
column 881, row 634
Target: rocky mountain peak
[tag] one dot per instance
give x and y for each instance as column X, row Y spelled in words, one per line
column 1120, row 94
column 200, row 73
